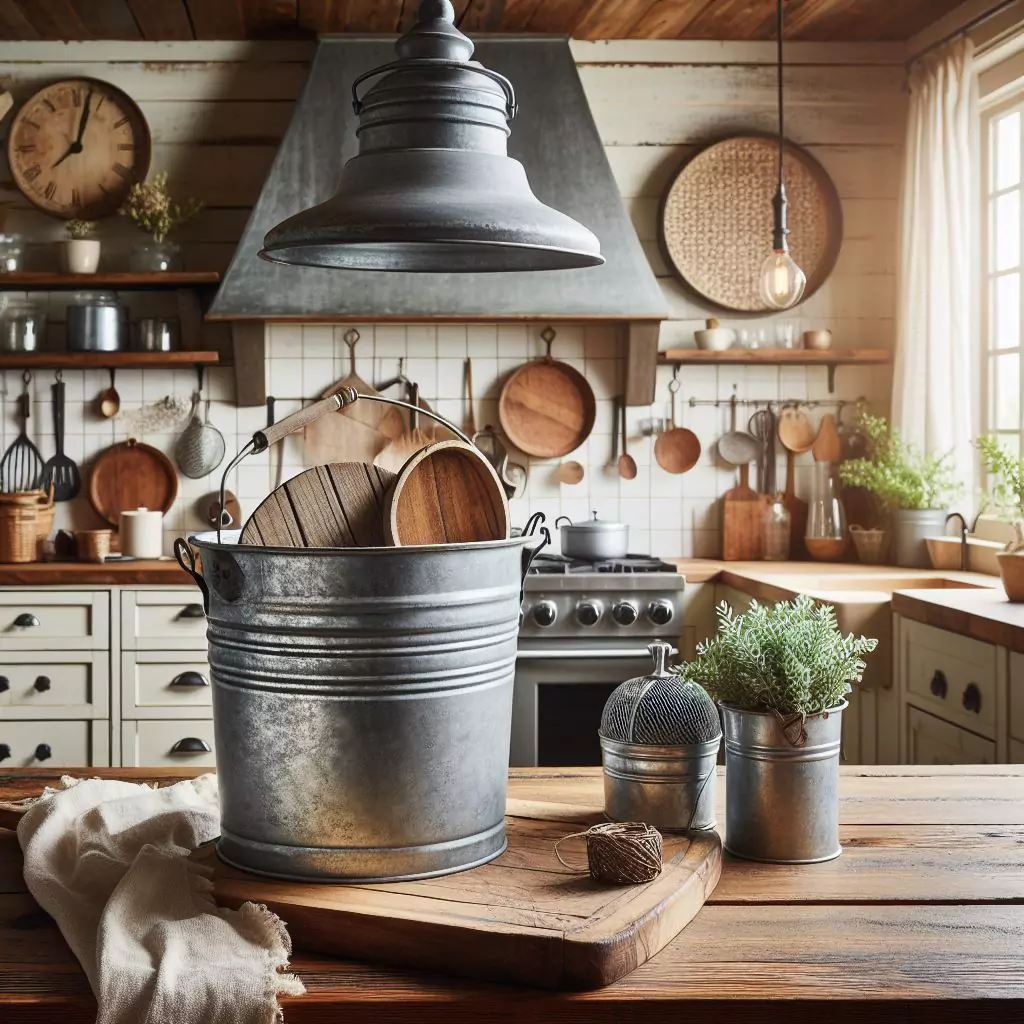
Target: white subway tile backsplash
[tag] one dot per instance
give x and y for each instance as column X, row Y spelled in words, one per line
column 451, row 341
column 513, row 341
column 421, row 340
column 482, row 340
column 318, row 341
column 389, row 340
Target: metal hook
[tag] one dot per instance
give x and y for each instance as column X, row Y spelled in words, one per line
column 548, row 336
column 199, row 377
column 58, row 376
column 351, row 338
column 26, row 378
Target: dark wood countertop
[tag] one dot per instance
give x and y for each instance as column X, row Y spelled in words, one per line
column 981, row 614
column 921, row 919
column 163, row 571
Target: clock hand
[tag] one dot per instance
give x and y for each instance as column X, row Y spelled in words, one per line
column 76, row 146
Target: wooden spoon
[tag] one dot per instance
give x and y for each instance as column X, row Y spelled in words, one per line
column 109, row 401
column 570, row 473
column 627, row 464
column 795, row 431
column 677, row 449
column 828, row 445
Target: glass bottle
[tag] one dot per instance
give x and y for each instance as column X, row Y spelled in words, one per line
column 777, row 526
column 826, row 518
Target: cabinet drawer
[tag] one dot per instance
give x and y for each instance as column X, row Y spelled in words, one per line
column 158, row 619
column 180, row 743
column 952, row 676
column 59, row 744
column 33, row 620
column 932, row 741
column 1017, row 696
column 163, row 684
column 55, row 684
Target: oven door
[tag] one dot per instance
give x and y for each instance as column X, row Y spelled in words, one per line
column 559, row 696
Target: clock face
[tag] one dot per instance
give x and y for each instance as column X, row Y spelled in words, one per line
column 76, row 148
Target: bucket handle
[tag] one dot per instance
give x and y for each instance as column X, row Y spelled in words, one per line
column 187, row 560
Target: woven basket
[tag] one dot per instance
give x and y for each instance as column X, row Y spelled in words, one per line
column 18, row 533
column 872, row 545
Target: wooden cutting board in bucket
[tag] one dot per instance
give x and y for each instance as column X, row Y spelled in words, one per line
column 743, row 512
column 522, row 919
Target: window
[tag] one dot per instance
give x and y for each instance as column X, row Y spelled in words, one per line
column 1004, row 192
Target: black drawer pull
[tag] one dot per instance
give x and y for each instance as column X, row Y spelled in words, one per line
column 191, row 611
column 191, row 745
column 27, row 620
column 189, row 679
column 5, row 751
column 42, row 684
column 938, row 685
column 971, row 699
column 5, row 684
column 43, row 752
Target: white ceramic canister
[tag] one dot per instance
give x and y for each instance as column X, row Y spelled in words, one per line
column 142, row 533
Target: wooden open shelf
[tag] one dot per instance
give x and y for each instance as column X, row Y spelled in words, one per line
column 829, row 358
column 104, row 360
column 46, row 281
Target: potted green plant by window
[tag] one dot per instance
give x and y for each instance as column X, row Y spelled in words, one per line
column 780, row 674
column 916, row 487
column 1006, row 500
column 152, row 208
column 81, row 252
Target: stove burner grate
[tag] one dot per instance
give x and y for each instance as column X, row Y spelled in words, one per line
column 558, row 565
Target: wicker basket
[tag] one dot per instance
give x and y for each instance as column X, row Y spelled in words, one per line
column 871, row 545
column 18, row 533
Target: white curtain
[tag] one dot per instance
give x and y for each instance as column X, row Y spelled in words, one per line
column 935, row 395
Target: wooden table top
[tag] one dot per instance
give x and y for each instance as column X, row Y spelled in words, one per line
column 131, row 572
column 920, row 919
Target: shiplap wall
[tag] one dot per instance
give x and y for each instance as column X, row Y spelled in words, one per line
column 217, row 111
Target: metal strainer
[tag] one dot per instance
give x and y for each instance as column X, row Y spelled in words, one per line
column 200, row 447
column 661, row 709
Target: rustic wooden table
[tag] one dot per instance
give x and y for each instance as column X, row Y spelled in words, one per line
column 921, row 919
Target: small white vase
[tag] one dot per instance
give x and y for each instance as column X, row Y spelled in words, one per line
column 81, row 255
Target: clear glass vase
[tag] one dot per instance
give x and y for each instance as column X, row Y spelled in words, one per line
column 155, row 257
column 826, row 518
column 777, row 526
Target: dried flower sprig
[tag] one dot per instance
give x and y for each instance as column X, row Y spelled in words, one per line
column 79, row 230
column 152, row 208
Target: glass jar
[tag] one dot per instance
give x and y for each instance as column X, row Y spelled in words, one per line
column 826, row 518
column 155, row 257
column 778, row 525
column 11, row 247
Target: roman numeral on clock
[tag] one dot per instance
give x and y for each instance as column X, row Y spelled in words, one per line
column 33, row 172
column 26, row 147
column 122, row 170
column 76, row 97
column 51, row 190
column 127, row 145
column 53, row 109
column 121, row 123
column 76, row 199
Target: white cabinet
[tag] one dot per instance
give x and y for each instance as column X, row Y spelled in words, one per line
column 177, row 743
column 54, row 684
column 67, row 744
column 32, row 620
column 165, row 684
column 161, row 619
column 933, row 741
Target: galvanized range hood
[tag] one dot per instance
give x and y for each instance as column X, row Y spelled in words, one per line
column 555, row 138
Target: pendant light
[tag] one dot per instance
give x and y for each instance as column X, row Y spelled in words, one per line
column 782, row 281
column 432, row 188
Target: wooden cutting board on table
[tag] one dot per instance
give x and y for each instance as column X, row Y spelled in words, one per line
column 131, row 475
column 521, row 919
column 743, row 512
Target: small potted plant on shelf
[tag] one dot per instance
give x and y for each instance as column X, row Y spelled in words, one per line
column 916, row 487
column 780, row 674
column 81, row 252
column 152, row 208
column 1006, row 500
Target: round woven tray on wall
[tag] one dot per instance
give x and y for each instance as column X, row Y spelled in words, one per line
column 716, row 219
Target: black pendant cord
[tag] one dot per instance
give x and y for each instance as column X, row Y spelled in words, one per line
column 781, row 230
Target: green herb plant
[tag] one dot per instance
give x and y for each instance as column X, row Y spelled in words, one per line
column 152, row 208
column 79, row 230
column 789, row 657
column 898, row 472
column 1006, row 473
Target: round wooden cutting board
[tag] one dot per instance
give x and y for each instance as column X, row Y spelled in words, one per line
column 131, row 475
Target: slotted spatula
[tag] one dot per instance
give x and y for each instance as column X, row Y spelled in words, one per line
column 61, row 473
column 21, row 468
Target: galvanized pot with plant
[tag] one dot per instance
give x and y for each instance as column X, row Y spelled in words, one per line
column 780, row 674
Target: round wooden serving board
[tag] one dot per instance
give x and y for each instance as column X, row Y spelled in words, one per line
column 131, row 475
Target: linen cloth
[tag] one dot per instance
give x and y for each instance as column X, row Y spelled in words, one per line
column 108, row 861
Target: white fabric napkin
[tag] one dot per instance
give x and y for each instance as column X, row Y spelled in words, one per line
column 108, row 861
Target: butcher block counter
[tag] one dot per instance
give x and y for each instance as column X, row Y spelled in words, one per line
column 920, row 919
column 127, row 573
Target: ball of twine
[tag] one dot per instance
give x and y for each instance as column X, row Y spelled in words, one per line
column 621, row 852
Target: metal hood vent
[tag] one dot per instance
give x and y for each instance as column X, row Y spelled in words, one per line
column 554, row 137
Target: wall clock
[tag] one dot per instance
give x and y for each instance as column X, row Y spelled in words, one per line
column 76, row 147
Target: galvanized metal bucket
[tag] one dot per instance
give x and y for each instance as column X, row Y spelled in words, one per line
column 670, row 787
column 782, row 800
column 362, row 703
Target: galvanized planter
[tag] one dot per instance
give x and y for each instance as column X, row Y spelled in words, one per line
column 362, row 704
column 782, row 801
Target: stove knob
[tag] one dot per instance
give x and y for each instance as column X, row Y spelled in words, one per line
column 588, row 613
column 545, row 613
column 660, row 613
column 625, row 613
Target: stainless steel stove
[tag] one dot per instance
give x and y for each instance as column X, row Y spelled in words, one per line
column 586, row 627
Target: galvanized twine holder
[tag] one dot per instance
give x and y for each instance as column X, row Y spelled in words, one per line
column 620, row 852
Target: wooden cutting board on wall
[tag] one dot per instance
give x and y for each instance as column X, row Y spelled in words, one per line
column 743, row 512
column 521, row 919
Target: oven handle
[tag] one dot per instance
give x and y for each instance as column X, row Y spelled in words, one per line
column 568, row 655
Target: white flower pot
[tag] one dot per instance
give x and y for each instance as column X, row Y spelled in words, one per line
column 81, row 255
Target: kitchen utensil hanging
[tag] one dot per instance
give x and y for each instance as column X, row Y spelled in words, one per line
column 547, row 408
column 200, row 448
column 513, row 476
column 828, row 445
column 403, row 447
column 737, row 447
column 131, row 475
column 469, row 419
column 21, row 467
column 627, row 464
column 761, row 425
column 677, row 449
column 109, row 401
column 61, row 473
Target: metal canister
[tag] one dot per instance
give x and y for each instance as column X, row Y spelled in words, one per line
column 782, row 802
column 362, row 704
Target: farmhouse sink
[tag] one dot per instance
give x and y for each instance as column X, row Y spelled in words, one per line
column 875, row 584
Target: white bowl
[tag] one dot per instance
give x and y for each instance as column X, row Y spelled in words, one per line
column 715, row 339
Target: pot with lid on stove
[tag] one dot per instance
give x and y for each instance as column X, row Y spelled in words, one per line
column 594, row 540
column 659, row 736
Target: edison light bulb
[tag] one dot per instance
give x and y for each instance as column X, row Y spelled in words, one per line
column 782, row 281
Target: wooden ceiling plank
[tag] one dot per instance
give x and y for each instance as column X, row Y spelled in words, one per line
column 14, row 24
column 559, row 17
column 270, row 19
column 861, row 20
column 518, row 14
column 482, row 16
column 161, row 19
column 668, row 19
column 374, row 15
column 107, row 19
column 735, row 19
column 322, row 16
column 216, row 19
column 611, row 19
column 54, row 19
